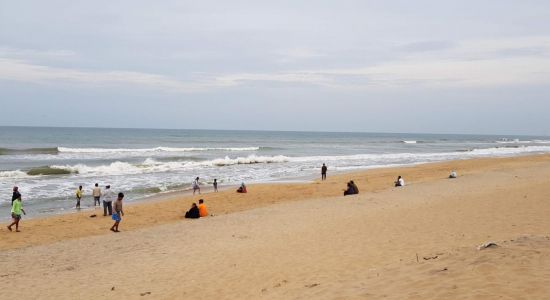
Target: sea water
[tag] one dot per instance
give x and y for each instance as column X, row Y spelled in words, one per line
column 48, row 164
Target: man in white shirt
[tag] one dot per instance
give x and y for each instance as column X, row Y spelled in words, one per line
column 108, row 197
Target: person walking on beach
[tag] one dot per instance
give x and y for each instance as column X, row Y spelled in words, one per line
column 215, row 185
column 78, row 197
column 108, row 196
column 15, row 194
column 96, row 192
column 196, row 186
column 324, row 172
column 16, row 210
column 118, row 214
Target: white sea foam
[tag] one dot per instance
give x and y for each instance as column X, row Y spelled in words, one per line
column 13, row 174
column 157, row 149
column 409, row 142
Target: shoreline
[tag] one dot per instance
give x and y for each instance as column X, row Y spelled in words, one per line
column 171, row 208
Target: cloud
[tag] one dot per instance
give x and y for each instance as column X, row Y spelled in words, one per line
column 466, row 64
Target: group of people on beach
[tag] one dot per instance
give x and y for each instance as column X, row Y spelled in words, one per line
column 196, row 211
column 113, row 210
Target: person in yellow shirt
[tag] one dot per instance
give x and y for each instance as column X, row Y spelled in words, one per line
column 203, row 212
column 78, row 196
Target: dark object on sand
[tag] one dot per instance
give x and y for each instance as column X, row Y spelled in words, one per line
column 93, row 216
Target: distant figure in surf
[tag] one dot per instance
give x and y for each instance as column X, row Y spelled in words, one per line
column 196, row 186
column 324, row 172
column 400, row 181
column 215, row 184
column 78, row 196
column 96, row 192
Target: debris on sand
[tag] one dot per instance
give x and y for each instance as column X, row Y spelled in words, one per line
column 487, row 245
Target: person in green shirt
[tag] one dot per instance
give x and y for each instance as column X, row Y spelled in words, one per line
column 16, row 210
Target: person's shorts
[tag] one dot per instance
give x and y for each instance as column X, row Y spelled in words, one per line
column 116, row 217
column 16, row 217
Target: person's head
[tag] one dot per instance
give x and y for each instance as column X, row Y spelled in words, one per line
column 19, row 197
column 107, row 186
column 323, row 165
column 351, row 181
column 197, row 178
column 79, row 187
column 215, row 180
column 96, row 185
column 398, row 177
column 194, row 205
column 15, row 189
column 120, row 196
column 201, row 201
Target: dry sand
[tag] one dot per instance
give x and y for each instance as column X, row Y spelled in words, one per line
column 306, row 241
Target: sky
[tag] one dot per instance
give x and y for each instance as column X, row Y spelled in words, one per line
column 480, row 67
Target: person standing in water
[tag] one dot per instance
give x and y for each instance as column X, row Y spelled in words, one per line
column 324, row 172
column 96, row 192
column 78, row 197
column 215, row 185
column 118, row 213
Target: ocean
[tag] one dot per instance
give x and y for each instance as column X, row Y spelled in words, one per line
column 48, row 164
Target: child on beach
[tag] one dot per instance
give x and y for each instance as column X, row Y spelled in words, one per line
column 215, row 185
column 16, row 209
column 118, row 213
column 196, row 186
column 78, row 196
column 324, row 172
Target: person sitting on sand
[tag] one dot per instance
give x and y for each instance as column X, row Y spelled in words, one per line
column 400, row 181
column 16, row 209
column 349, row 190
column 354, row 186
column 193, row 213
column 118, row 213
column 203, row 212
column 242, row 188
column 453, row 174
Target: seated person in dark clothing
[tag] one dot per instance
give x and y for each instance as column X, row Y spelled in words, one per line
column 193, row 213
column 350, row 190
column 354, row 186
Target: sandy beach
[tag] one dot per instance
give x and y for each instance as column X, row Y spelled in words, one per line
column 305, row 240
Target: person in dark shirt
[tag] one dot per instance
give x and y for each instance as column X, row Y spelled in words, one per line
column 350, row 190
column 324, row 172
column 15, row 195
column 193, row 213
column 355, row 188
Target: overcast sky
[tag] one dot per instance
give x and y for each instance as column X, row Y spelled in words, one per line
column 383, row 66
